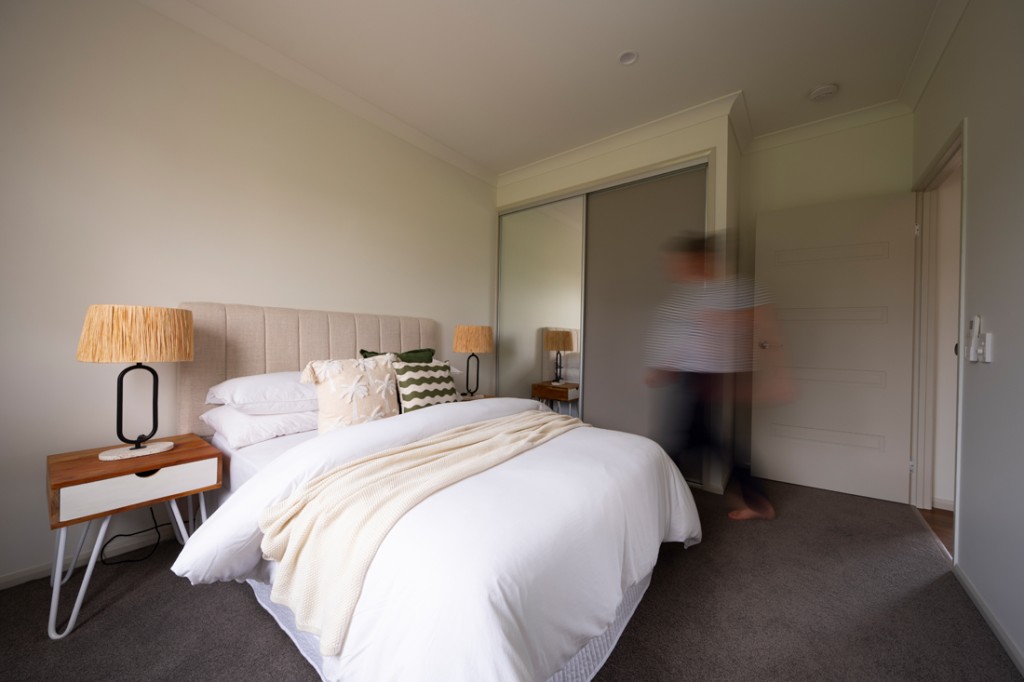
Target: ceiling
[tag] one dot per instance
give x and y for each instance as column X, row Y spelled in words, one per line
column 505, row 83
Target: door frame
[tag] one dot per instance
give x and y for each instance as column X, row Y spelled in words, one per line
column 951, row 159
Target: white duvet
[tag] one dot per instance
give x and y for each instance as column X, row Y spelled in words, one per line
column 502, row 576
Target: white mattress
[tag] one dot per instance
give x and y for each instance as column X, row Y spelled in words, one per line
column 241, row 464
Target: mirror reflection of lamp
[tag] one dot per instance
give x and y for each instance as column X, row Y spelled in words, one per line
column 473, row 339
column 558, row 340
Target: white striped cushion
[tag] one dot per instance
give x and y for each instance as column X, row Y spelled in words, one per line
column 422, row 384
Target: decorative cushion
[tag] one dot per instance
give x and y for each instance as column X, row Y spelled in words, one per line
column 422, row 384
column 352, row 391
column 272, row 393
column 418, row 355
column 241, row 429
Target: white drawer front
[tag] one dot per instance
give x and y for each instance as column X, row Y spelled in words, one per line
column 123, row 491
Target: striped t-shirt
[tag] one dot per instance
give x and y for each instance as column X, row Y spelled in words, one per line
column 705, row 326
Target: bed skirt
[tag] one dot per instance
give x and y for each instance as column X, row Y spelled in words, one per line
column 580, row 668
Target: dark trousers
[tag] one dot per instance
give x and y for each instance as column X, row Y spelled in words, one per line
column 690, row 426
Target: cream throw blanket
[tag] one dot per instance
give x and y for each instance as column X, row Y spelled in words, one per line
column 325, row 535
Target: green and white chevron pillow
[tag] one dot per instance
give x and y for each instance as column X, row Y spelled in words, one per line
column 422, row 384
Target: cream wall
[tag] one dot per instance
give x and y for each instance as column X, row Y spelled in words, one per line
column 140, row 163
column 985, row 54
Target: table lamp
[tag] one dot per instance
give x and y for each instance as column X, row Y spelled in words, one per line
column 473, row 339
column 558, row 340
column 135, row 334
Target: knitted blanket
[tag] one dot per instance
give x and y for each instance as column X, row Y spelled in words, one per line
column 325, row 535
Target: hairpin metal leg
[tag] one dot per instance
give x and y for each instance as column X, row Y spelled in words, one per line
column 58, row 568
column 179, row 524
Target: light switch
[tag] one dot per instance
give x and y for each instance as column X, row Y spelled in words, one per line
column 986, row 347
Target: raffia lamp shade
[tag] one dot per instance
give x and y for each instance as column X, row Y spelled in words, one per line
column 473, row 339
column 558, row 340
column 129, row 333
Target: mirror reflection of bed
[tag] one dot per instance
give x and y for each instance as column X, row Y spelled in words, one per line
column 528, row 569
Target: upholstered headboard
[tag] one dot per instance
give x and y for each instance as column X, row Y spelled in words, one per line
column 239, row 340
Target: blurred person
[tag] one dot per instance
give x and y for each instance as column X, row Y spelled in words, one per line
column 699, row 344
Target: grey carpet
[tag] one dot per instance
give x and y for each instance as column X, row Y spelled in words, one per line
column 837, row 588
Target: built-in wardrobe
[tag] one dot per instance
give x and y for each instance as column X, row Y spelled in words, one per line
column 594, row 264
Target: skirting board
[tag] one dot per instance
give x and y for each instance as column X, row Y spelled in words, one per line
column 945, row 505
column 1012, row 648
column 117, row 548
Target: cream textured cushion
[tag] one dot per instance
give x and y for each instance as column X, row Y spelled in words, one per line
column 352, row 391
column 422, row 384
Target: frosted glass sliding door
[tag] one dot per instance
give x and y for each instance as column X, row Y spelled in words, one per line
column 627, row 229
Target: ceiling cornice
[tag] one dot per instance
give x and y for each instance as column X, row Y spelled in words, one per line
column 945, row 18
column 827, row 126
column 739, row 118
column 702, row 113
column 210, row 26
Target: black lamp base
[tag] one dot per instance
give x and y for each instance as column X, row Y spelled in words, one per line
column 558, row 368
column 476, row 380
column 139, row 446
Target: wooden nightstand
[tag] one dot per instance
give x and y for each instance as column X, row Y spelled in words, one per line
column 80, row 488
column 551, row 393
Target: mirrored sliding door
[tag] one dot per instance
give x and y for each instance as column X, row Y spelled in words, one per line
column 540, row 287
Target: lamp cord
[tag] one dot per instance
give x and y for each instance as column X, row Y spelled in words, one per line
column 155, row 527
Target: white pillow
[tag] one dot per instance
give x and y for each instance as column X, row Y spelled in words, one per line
column 273, row 393
column 240, row 429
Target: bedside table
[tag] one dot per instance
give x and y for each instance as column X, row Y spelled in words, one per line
column 80, row 488
column 550, row 393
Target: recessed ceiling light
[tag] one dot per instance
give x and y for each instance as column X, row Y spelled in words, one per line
column 629, row 57
column 822, row 92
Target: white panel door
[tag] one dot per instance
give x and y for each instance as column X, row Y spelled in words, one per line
column 841, row 276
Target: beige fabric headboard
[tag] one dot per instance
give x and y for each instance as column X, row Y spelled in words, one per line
column 239, row 340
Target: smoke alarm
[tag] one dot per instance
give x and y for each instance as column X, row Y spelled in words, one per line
column 629, row 57
column 823, row 91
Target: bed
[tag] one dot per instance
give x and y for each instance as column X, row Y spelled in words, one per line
column 529, row 570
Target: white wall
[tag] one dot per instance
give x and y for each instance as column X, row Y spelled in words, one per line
column 985, row 54
column 140, row 163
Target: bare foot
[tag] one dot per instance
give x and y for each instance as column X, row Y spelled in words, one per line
column 746, row 514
